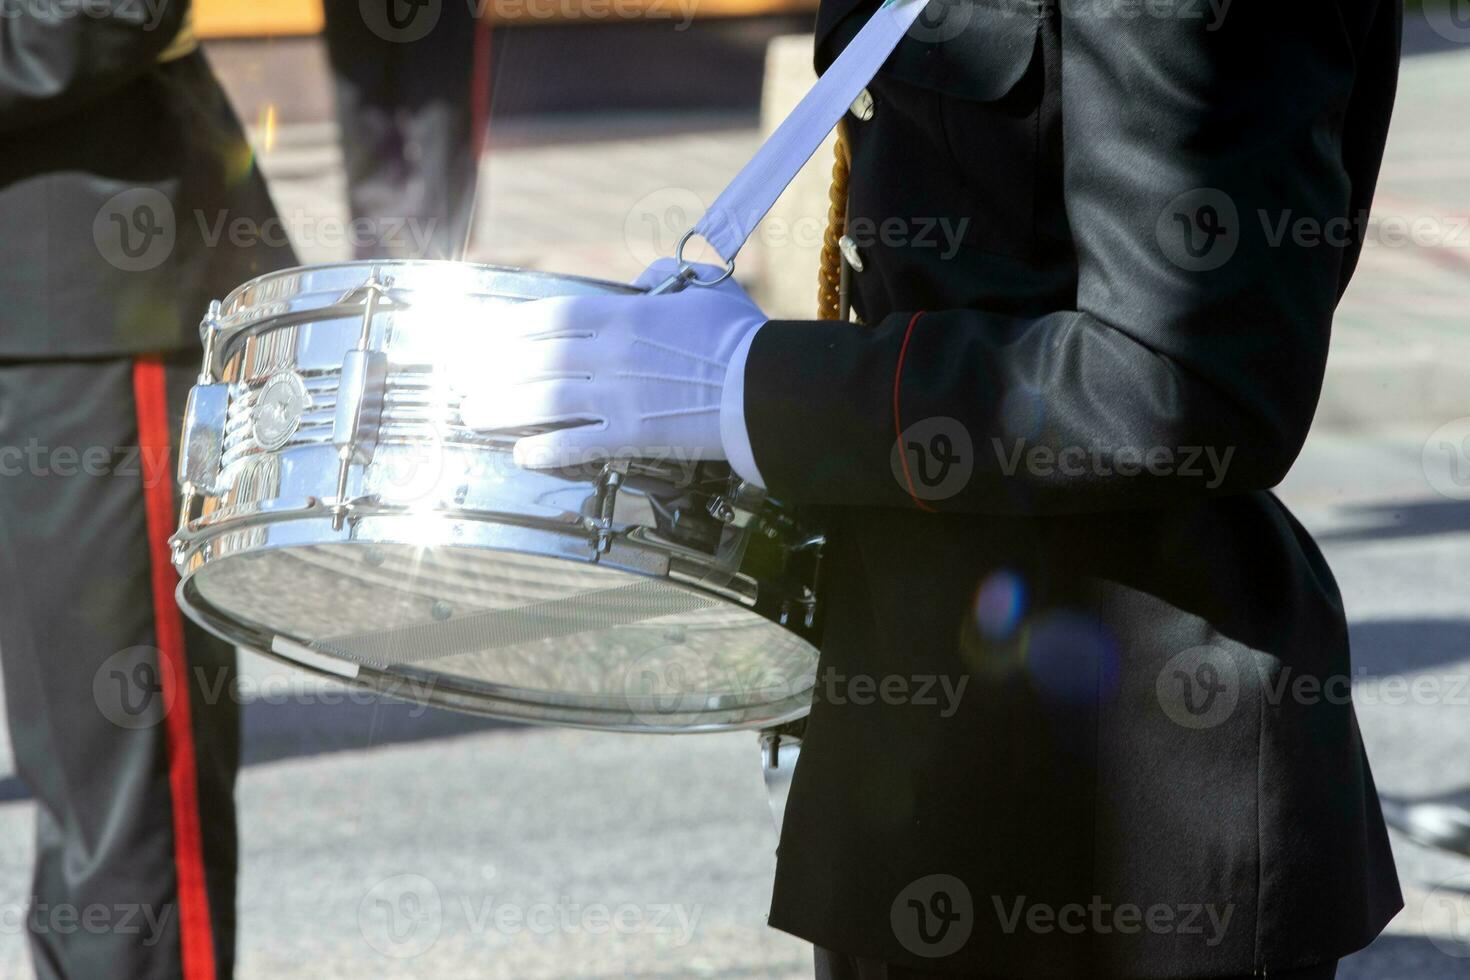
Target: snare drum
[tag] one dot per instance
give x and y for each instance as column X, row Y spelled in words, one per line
column 337, row 514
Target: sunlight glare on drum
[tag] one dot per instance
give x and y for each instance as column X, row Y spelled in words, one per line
column 427, row 528
column 491, row 373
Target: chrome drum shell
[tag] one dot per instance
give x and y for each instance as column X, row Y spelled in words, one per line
column 338, row 515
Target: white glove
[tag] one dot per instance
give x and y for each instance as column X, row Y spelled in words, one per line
column 647, row 374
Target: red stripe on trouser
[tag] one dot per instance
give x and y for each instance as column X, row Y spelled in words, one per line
column 150, row 393
column 480, row 81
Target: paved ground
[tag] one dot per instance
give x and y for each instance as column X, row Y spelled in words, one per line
column 1401, row 553
column 1400, row 347
column 494, row 852
column 378, row 843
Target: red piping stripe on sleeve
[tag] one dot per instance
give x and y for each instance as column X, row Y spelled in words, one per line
column 903, row 455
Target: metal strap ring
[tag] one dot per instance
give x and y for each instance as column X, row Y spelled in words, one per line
column 686, row 266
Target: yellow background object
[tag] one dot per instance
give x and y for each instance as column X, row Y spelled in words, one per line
column 265, row 18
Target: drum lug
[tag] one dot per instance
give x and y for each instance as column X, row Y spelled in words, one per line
column 372, row 295
column 747, row 495
column 805, row 608
column 721, row 509
column 803, row 570
column 609, row 481
column 359, row 414
column 361, row 389
column 780, row 750
column 737, row 505
column 771, row 740
column 208, row 329
column 202, row 443
column 360, row 394
column 176, row 546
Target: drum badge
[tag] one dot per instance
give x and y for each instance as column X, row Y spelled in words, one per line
column 283, row 398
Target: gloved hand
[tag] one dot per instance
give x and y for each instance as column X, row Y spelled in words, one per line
column 646, row 373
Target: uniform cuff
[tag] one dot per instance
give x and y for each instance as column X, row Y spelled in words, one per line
column 819, row 410
column 734, row 435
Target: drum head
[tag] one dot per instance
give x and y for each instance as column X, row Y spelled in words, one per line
column 526, row 636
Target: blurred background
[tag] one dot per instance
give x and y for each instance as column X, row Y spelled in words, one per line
column 385, row 840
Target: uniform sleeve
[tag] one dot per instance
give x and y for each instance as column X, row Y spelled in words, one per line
column 1197, row 163
column 57, row 57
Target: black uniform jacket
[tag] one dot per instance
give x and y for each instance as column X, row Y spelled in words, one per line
column 1084, row 705
column 128, row 195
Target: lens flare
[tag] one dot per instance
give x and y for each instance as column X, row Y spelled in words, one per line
column 1073, row 658
column 267, row 127
column 1000, row 604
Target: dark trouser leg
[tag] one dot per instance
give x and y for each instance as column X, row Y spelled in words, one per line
column 840, row 966
column 437, row 123
column 364, row 72
column 404, row 110
column 131, row 769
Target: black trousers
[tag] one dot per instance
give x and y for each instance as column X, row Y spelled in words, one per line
column 840, row 966
column 122, row 714
column 403, row 76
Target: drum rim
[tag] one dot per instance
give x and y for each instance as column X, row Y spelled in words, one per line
column 222, row 327
column 225, row 323
column 192, row 549
column 296, row 270
column 443, row 693
column 490, row 700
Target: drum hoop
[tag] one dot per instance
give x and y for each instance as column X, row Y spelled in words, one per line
column 398, row 265
column 397, row 268
column 193, row 551
column 479, row 698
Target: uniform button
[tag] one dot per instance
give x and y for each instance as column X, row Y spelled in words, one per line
column 862, row 106
column 850, row 252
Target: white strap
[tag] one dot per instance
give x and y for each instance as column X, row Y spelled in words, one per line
column 742, row 204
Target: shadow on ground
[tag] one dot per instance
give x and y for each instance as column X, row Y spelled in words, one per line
column 296, row 729
column 1408, row 958
column 1433, row 27
column 1391, row 520
column 1394, row 647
